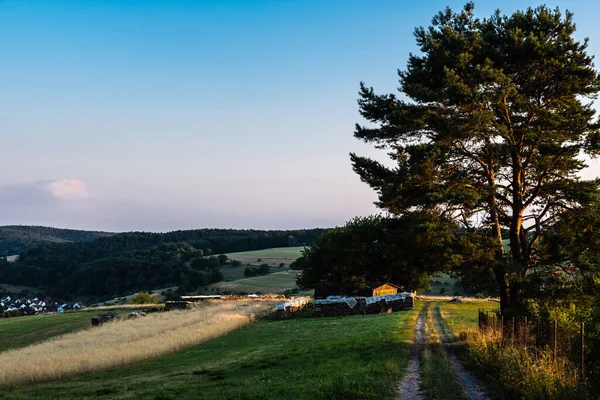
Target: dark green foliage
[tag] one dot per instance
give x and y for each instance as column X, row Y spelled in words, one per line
column 136, row 261
column 16, row 238
column 298, row 264
column 143, row 298
column 236, row 263
column 199, row 263
column 264, row 269
column 222, row 259
column 496, row 116
column 213, row 262
column 366, row 252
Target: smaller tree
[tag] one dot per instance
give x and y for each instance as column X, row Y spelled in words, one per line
column 236, row 263
column 264, row 269
column 215, row 276
column 213, row 262
column 143, row 298
column 223, row 259
column 199, row 263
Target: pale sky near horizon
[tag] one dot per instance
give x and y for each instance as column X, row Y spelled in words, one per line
column 165, row 115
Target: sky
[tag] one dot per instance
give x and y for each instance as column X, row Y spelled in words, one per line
column 165, row 115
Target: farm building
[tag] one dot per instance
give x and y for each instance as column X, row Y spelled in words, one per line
column 386, row 288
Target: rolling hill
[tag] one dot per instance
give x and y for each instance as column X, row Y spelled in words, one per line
column 16, row 238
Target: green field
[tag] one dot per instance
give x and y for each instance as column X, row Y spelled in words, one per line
column 277, row 252
column 236, row 273
column 445, row 281
column 22, row 331
column 276, row 282
column 303, row 358
column 462, row 316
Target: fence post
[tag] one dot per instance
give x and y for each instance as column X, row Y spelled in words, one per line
column 537, row 333
column 513, row 330
column 582, row 361
column 525, row 334
column 554, row 340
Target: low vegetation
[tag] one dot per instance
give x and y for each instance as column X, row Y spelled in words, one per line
column 511, row 371
column 124, row 342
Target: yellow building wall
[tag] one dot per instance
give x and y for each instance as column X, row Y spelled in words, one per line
column 384, row 289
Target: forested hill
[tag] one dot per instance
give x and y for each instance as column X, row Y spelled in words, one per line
column 15, row 238
column 133, row 261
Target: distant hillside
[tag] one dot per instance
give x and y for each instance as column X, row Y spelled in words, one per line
column 15, row 238
column 127, row 262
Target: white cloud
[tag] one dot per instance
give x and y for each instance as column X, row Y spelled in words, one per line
column 68, row 189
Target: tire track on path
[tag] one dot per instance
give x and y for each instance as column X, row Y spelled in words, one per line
column 469, row 383
column 408, row 389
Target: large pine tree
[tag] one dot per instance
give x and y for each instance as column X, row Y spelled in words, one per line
column 494, row 117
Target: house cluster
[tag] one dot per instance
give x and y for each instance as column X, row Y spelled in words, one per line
column 35, row 305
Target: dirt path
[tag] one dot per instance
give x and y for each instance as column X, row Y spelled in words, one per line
column 470, row 385
column 409, row 386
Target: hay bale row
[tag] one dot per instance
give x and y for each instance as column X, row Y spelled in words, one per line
column 361, row 305
column 292, row 307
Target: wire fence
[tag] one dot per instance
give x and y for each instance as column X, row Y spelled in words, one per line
column 563, row 341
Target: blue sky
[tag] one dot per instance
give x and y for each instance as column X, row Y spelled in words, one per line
column 162, row 115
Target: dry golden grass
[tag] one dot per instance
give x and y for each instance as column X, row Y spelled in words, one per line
column 119, row 306
column 119, row 343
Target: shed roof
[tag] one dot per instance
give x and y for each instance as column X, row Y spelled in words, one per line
column 387, row 283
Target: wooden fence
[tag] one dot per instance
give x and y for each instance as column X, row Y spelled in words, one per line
column 565, row 341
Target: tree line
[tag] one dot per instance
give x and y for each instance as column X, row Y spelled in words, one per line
column 132, row 262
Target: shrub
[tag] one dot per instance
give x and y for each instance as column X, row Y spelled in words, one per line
column 281, row 265
column 264, row 269
column 480, row 296
column 236, row 263
column 143, row 298
column 443, row 290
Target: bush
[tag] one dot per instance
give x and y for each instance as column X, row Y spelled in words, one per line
column 443, row 290
column 143, row 298
column 222, row 259
column 236, row 263
column 480, row 296
column 259, row 260
column 249, row 271
column 264, row 269
column 199, row 263
column 281, row 265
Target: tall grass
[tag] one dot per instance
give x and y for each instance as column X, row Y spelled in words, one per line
column 119, row 343
column 522, row 373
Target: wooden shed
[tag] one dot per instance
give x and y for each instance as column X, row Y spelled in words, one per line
column 386, row 288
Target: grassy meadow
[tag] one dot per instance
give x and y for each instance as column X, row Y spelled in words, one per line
column 123, row 342
column 291, row 253
column 22, row 331
column 302, row 358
